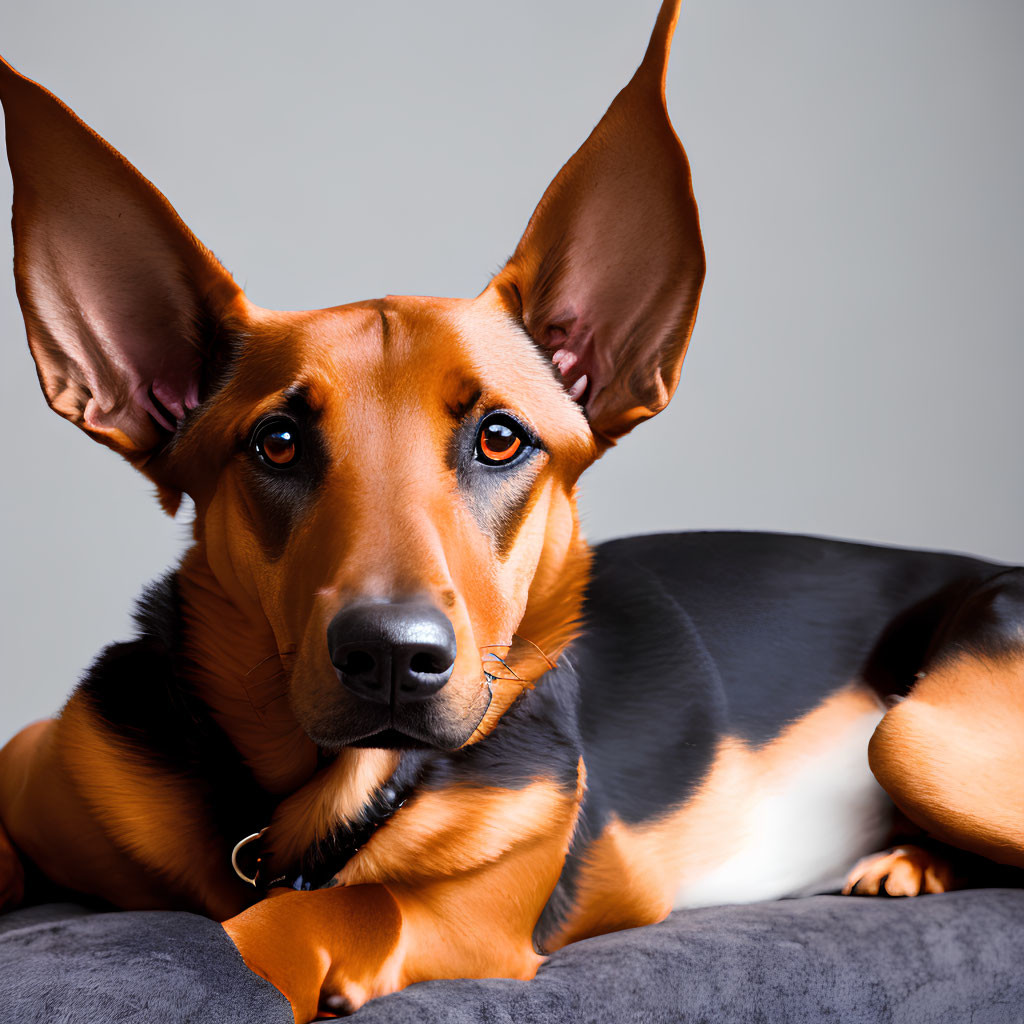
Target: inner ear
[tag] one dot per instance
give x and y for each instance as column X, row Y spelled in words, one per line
column 610, row 267
column 121, row 301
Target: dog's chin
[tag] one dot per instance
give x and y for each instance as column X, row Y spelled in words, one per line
column 423, row 726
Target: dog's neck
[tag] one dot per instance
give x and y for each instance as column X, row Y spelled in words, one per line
column 241, row 677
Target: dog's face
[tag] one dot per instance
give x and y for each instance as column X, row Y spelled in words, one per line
column 389, row 485
column 400, row 466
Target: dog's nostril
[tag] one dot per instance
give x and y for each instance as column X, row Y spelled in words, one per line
column 398, row 652
column 358, row 663
column 428, row 663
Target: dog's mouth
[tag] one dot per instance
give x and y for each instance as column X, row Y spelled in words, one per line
column 427, row 725
column 392, row 739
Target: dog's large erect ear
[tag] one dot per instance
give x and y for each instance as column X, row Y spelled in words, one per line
column 118, row 295
column 609, row 270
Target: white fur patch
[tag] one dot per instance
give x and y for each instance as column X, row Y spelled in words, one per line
column 807, row 827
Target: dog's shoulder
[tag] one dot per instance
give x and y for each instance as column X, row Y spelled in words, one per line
column 140, row 693
column 136, row 686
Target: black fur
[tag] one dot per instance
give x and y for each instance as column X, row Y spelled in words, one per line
column 686, row 638
column 691, row 637
column 989, row 623
column 320, row 864
column 141, row 691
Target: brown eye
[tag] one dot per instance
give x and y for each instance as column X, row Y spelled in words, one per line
column 277, row 443
column 501, row 439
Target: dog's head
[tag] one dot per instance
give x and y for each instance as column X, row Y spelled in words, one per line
column 388, row 486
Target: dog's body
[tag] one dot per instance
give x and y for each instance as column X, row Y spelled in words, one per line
column 508, row 741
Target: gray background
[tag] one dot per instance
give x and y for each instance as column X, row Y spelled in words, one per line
column 857, row 363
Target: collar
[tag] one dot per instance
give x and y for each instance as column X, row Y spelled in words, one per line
column 321, row 863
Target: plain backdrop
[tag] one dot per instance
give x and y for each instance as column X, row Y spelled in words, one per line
column 856, row 368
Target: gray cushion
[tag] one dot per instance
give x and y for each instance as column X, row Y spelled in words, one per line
column 953, row 958
column 60, row 964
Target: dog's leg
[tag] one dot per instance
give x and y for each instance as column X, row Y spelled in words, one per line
column 12, row 874
column 467, row 872
column 951, row 755
column 56, row 825
column 95, row 818
column 20, row 759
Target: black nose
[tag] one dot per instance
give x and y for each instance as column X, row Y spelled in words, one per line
column 392, row 653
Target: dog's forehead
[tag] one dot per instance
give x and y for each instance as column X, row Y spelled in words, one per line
column 403, row 348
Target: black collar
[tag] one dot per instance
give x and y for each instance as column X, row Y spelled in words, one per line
column 321, row 863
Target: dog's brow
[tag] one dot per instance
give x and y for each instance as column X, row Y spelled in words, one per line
column 304, row 396
column 467, row 395
column 296, row 393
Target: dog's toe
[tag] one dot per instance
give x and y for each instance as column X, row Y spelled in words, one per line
column 901, row 871
column 336, row 1006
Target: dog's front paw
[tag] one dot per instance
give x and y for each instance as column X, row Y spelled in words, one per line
column 328, row 951
column 901, row 871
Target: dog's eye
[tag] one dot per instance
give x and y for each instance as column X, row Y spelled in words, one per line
column 277, row 443
column 500, row 440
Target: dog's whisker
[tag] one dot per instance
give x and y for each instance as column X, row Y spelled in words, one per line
column 270, row 657
column 503, row 662
column 519, row 636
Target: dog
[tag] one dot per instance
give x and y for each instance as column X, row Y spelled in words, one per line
column 391, row 719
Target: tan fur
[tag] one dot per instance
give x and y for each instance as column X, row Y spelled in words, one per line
column 96, row 819
column 951, row 757
column 337, row 794
column 632, row 873
column 243, row 676
column 450, row 887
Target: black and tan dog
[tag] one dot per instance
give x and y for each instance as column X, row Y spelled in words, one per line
column 455, row 736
